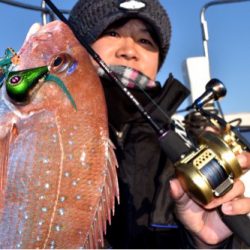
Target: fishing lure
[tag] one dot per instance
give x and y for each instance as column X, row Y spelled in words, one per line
column 10, row 58
column 21, row 85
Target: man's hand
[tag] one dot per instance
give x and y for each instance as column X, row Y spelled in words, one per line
column 203, row 222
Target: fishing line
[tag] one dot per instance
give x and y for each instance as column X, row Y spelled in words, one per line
column 214, row 173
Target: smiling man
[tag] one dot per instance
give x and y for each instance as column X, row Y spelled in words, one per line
column 133, row 38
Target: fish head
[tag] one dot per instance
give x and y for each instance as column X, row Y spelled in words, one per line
column 53, row 71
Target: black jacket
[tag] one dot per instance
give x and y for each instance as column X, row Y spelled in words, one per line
column 144, row 218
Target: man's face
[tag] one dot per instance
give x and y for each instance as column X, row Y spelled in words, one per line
column 130, row 45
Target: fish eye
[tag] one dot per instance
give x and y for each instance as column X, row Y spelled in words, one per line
column 57, row 61
column 60, row 62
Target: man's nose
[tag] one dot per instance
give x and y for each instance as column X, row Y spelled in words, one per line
column 127, row 49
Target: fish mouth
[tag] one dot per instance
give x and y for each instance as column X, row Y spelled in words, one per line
column 22, row 86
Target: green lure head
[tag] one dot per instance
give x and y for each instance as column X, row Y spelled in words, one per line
column 20, row 84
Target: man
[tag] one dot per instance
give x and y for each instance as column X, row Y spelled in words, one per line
column 133, row 37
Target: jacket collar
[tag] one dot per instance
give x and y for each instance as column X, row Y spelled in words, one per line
column 122, row 111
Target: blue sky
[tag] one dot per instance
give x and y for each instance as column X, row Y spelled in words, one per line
column 229, row 41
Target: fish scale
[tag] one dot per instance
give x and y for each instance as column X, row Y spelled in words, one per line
column 59, row 177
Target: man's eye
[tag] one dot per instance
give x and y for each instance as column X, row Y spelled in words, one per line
column 111, row 33
column 146, row 41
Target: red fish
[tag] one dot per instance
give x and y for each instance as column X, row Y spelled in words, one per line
column 57, row 166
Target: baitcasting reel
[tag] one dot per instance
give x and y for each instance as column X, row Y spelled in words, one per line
column 209, row 170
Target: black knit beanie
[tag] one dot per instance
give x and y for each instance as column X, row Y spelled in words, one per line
column 91, row 17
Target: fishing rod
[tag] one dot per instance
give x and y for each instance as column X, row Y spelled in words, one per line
column 183, row 153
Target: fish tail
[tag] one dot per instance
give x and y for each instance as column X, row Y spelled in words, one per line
column 60, row 83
